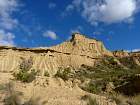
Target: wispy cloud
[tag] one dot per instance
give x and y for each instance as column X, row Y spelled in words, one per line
column 69, row 8
column 6, row 38
column 135, row 50
column 7, row 21
column 50, row 34
column 7, row 7
column 78, row 29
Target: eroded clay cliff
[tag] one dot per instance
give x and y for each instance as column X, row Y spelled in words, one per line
column 75, row 52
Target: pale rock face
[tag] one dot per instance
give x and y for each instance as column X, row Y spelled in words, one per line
column 80, row 45
column 79, row 50
column 120, row 54
column 136, row 57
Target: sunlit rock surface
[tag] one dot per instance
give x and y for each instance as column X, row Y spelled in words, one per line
column 75, row 52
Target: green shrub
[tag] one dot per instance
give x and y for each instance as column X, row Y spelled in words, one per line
column 64, row 73
column 26, row 73
column 26, row 76
column 95, row 87
column 46, row 74
column 106, row 70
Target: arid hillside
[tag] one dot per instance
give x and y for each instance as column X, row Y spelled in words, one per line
column 80, row 71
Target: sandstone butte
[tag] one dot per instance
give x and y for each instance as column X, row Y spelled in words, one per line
column 75, row 52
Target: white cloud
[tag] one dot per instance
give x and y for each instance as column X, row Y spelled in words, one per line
column 50, row 34
column 69, row 7
column 74, row 31
column 107, row 11
column 135, row 50
column 51, row 5
column 76, row 3
column 78, row 29
column 72, row 6
column 7, row 7
column 6, row 38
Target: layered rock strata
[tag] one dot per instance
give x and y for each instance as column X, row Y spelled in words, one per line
column 75, row 52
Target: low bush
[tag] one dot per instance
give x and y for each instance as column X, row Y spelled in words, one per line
column 26, row 73
column 121, row 99
column 95, row 87
column 64, row 73
column 46, row 74
column 26, row 76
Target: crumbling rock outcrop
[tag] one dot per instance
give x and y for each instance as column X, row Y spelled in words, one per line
column 120, row 53
column 127, row 58
column 80, row 45
column 136, row 57
column 79, row 50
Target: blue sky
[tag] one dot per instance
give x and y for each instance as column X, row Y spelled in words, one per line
column 37, row 23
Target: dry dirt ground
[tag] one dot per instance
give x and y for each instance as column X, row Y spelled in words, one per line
column 51, row 91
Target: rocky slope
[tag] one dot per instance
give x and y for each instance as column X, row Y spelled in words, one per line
column 88, row 68
column 127, row 58
column 54, row 91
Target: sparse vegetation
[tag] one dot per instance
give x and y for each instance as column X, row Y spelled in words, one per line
column 94, row 87
column 64, row 73
column 92, row 102
column 115, row 77
column 26, row 73
column 128, row 62
column 121, row 99
column 46, row 74
column 105, row 71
